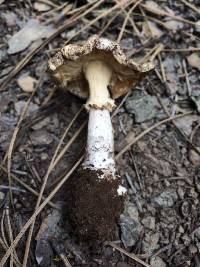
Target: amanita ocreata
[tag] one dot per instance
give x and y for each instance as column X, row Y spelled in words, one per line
column 98, row 71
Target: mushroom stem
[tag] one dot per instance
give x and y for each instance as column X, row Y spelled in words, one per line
column 98, row 75
column 100, row 143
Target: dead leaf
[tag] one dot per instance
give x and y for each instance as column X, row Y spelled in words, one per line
column 41, row 7
column 174, row 25
column 32, row 31
column 27, row 83
column 150, row 29
column 153, row 5
column 194, row 60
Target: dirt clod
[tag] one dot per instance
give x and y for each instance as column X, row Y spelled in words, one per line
column 95, row 206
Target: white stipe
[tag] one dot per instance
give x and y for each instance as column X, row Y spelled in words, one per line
column 100, row 143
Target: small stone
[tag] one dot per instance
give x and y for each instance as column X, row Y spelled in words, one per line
column 27, row 83
column 44, row 156
column 131, row 231
column 41, row 124
column 157, row 262
column 2, row 196
column 194, row 157
column 131, row 211
column 194, row 60
column 150, row 243
column 174, row 25
column 166, row 199
column 41, row 7
column 143, row 106
column 197, row 26
column 192, row 249
column 180, row 229
column 20, row 105
column 41, row 137
column 149, row 222
column 197, row 232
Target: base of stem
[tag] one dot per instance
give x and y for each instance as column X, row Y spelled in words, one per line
column 95, row 206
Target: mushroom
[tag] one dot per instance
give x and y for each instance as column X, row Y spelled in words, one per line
column 97, row 70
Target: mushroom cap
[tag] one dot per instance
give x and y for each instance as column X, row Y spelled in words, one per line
column 68, row 64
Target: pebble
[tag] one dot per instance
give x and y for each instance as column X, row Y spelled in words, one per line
column 131, row 231
column 166, row 199
column 150, row 243
column 157, row 262
column 20, row 105
column 41, row 124
column 2, row 196
column 194, row 157
column 193, row 249
column 149, row 222
column 41, row 137
column 131, row 211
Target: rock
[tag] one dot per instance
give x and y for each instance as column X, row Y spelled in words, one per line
column 131, row 211
column 32, row 31
column 186, row 123
column 172, row 65
column 131, row 231
column 193, row 249
column 41, row 124
column 26, row 83
column 174, row 25
column 143, row 106
column 194, row 157
column 20, row 105
column 150, row 243
column 194, row 60
column 166, row 199
column 197, row 26
column 41, row 137
column 2, row 196
column 157, row 262
column 41, row 7
column 149, row 222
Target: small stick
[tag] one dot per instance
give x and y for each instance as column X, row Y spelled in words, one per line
column 36, row 212
column 187, row 78
column 126, row 20
column 162, row 68
column 164, row 13
column 30, row 189
column 33, row 52
column 148, row 130
column 130, row 255
column 192, row 49
column 191, row 6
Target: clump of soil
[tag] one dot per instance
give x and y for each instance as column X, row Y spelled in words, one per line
column 95, row 206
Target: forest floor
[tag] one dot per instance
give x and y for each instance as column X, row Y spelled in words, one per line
column 156, row 127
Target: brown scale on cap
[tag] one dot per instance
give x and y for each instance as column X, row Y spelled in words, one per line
column 67, row 66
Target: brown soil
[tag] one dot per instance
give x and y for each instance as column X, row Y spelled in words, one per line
column 95, row 206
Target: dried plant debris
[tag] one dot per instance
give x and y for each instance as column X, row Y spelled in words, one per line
column 159, row 221
column 32, row 31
